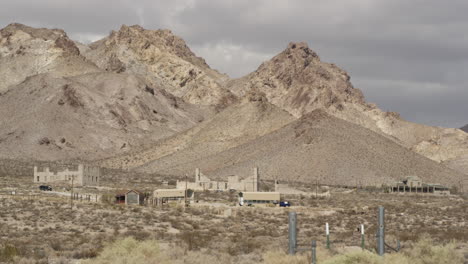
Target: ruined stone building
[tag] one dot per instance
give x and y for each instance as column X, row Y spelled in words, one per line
column 82, row 175
column 414, row 184
column 161, row 196
column 249, row 184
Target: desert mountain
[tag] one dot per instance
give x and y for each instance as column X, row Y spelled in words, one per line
column 59, row 105
column 164, row 60
column 140, row 99
column 26, row 51
column 299, row 82
column 238, row 124
column 316, row 146
column 88, row 116
column 465, row 128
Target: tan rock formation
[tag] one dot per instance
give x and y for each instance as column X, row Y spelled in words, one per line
column 163, row 59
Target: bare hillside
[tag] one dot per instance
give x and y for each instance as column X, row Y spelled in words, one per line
column 319, row 146
column 236, row 125
column 27, row 51
column 299, row 82
column 88, row 116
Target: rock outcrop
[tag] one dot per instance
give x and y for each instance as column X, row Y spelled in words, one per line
column 27, row 51
column 297, row 81
column 164, row 60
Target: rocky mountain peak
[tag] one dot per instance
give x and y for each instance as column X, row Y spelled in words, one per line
column 164, row 60
column 26, row 51
column 299, row 82
column 163, row 39
column 465, row 128
column 15, row 38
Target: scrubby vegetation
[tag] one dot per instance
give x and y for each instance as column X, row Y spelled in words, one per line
column 130, row 250
column 40, row 227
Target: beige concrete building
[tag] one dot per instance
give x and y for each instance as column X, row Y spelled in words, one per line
column 413, row 184
column 161, row 196
column 247, row 198
column 233, row 183
column 82, row 175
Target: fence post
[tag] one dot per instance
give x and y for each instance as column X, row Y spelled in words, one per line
column 381, row 232
column 314, row 252
column 363, row 243
column 327, row 232
column 292, row 233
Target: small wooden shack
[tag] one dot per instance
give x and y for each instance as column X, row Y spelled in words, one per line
column 130, row 197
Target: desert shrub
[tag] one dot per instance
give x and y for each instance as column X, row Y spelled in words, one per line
column 423, row 252
column 131, row 251
column 108, row 198
column 278, row 257
column 8, row 252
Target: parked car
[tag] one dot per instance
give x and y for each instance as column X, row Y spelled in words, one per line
column 285, row 204
column 45, row 188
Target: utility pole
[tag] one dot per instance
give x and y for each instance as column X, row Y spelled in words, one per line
column 71, row 194
column 316, row 188
column 185, row 193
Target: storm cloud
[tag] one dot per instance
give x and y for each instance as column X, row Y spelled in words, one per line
column 409, row 57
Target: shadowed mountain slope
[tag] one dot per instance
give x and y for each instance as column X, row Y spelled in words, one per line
column 317, row 146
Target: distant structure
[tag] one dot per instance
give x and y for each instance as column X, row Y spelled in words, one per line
column 251, row 198
column 130, row 197
column 162, row 196
column 81, row 175
column 202, row 183
column 414, row 184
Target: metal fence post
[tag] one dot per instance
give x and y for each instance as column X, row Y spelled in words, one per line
column 381, row 232
column 363, row 242
column 292, row 233
column 327, row 232
column 314, row 252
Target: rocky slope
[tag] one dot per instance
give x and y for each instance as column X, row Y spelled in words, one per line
column 88, row 116
column 465, row 128
column 299, row 82
column 56, row 104
column 315, row 147
column 141, row 99
column 236, row 125
column 163, row 59
column 26, row 51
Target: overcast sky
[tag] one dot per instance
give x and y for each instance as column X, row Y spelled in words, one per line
column 406, row 56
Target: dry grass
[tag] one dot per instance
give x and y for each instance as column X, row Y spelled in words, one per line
column 132, row 251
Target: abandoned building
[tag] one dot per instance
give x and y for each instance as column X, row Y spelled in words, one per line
column 130, row 197
column 250, row 198
column 162, row 196
column 79, row 175
column 414, row 184
column 202, row 183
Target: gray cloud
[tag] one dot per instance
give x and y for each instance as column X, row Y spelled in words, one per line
column 407, row 56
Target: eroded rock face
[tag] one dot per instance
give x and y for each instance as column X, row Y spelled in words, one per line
column 163, row 59
column 465, row 128
column 297, row 81
column 26, row 51
column 137, row 87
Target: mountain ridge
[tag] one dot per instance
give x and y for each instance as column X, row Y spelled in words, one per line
column 141, row 99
